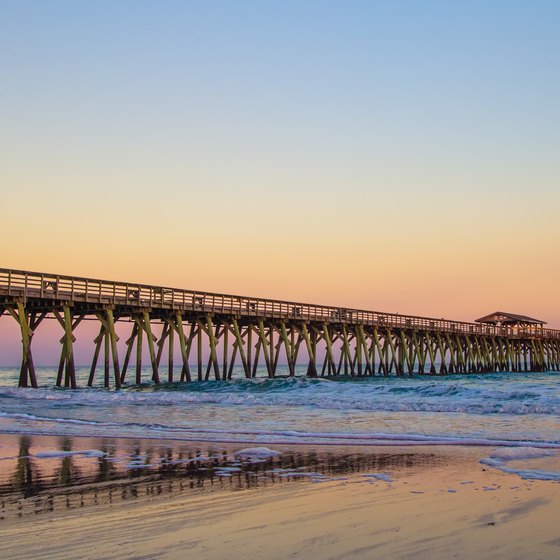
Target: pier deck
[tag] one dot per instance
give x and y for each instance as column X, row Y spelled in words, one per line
column 216, row 330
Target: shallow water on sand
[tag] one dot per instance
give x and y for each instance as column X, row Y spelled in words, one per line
column 39, row 474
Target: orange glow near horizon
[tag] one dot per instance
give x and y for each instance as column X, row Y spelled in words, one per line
column 418, row 269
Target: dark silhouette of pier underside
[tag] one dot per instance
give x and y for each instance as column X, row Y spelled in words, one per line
column 241, row 330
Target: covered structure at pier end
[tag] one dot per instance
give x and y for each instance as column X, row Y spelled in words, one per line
column 504, row 319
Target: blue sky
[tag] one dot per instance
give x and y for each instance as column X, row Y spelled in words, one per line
column 391, row 155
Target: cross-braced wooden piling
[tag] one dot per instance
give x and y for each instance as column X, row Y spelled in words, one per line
column 217, row 332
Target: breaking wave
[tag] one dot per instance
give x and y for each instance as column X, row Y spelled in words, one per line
column 498, row 409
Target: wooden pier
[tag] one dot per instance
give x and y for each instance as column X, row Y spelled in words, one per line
column 214, row 332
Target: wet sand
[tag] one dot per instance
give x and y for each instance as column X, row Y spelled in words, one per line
column 428, row 503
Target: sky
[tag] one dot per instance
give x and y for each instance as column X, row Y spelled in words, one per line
column 399, row 156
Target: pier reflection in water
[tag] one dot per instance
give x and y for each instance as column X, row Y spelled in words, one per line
column 51, row 474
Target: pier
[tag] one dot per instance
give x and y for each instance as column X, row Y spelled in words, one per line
column 213, row 333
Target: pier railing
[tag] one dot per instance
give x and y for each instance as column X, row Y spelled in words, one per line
column 55, row 287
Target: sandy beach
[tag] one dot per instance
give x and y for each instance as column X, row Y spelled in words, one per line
column 424, row 503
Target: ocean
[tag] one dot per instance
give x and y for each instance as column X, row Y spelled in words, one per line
column 502, row 410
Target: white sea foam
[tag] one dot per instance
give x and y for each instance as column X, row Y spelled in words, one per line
column 302, row 475
column 257, row 452
column 500, row 459
column 516, row 453
column 55, row 454
column 386, row 477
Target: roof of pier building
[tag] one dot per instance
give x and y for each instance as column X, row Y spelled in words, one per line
column 510, row 319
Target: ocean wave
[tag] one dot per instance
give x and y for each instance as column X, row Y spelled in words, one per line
column 67, row 426
column 400, row 396
column 454, row 410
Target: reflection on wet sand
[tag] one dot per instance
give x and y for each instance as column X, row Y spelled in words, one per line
column 73, row 473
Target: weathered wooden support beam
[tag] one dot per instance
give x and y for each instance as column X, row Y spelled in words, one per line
column 412, row 354
column 61, row 363
column 150, row 338
column 225, row 351
column 213, row 336
column 452, row 353
column 185, row 371
column 114, row 350
column 129, row 346
column 277, row 350
column 340, row 361
column 431, row 345
column 273, row 349
column 110, row 339
column 66, row 366
column 313, row 337
column 70, row 379
column 33, row 319
column 394, row 356
column 481, row 353
column 460, row 349
column 170, row 350
column 97, row 341
column 249, row 334
column 420, row 351
column 257, row 356
column 27, row 371
column 199, row 352
column 469, row 355
column 324, row 367
column 381, row 352
column 364, row 347
column 519, row 355
column 483, row 357
column 540, row 352
column 265, row 348
column 213, row 343
column 139, row 337
column 239, row 343
column 444, row 368
column 400, row 354
column 371, row 353
column 107, row 358
column 555, row 349
column 348, row 363
column 161, row 342
column 299, row 342
column 549, row 356
column 329, row 358
column 289, row 348
column 494, row 355
column 358, row 354
column 406, row 351
column 312, row 367
column 232, row 360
